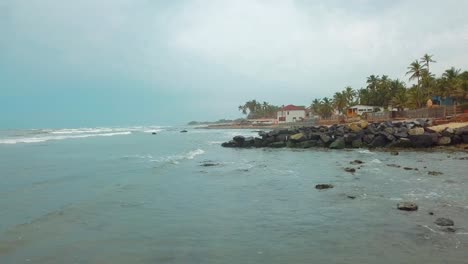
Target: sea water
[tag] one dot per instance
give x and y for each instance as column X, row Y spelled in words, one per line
column 124, row 195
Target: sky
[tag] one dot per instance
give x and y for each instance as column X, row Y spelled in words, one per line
column 88, row 63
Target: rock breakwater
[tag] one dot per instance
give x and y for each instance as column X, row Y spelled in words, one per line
column 415, row 134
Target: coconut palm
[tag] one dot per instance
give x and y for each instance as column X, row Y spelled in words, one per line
column 426, row 60
column 340, row 102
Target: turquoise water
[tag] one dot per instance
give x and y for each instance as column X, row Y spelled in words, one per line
column 122, row 195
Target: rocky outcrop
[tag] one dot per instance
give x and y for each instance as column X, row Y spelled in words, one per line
column 361, row 134
column 444, row 222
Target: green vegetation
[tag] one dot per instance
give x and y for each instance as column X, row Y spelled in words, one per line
column 254, row 109
column 384, row 91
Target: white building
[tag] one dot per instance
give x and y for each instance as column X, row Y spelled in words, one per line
column 291, row 113
column 358, row 110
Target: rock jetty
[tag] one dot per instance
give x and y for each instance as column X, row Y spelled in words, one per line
column 415, row 134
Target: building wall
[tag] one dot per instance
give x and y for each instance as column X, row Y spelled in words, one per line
column 291, row 116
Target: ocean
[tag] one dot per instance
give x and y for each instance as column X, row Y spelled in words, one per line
column 123, row 195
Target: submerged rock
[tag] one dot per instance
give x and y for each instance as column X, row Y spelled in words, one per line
column 323, row 186
column 444, row 222
column 352, row 170
column 407, row 206
column 356, row 162
column 395, row 153
column 183, row 131
column 434, row 173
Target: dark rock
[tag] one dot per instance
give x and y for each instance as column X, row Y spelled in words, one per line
column 431, row 213
column 407, row 206
column 351, row 196
column 339, row 143
column 444, row 222
column 352, row 170
column 395, row 153
column 154, row 133
column 401, row 135
column 356, row 162
column 323, row 186
column 230, row 144
column 408, row 168
column 209, row 164
column 394, row 165
column 239, row 139
column 282, row 137
column 368, row 138
column 307, row 144
column 465, row 139
column 277, row 145
column 421, row 141
column 434, row 173
column 378, row 142
column 248, row 142
column 258, row 143
column 450, row 230
column 401, row 143
column 357, row 143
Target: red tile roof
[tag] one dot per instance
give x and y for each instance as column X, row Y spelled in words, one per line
column 292, row 108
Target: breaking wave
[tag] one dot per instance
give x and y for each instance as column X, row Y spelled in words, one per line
column 48, row 138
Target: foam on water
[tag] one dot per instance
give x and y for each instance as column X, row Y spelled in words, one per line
column 175, row 159
column 48, row 138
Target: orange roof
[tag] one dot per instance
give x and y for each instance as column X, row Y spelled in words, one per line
column 292, row 108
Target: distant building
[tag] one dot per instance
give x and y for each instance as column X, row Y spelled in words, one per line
column 359, row 110
column 291, row 113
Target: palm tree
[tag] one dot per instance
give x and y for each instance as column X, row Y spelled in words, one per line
column 400, row 99
column 315, row 106
column 326, row 107
column 340, row 102
column 415, row 70
column 426, row 59
column 350, row 94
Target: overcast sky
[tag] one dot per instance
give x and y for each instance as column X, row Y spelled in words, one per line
column 120, row 62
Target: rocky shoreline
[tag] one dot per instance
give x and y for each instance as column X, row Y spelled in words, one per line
column 414, row 134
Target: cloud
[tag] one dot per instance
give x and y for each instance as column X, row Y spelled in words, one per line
column 283, row 51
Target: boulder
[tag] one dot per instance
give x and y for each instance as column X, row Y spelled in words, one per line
column 401, row 143
column 421, row 141
column 378, row 142
column 282, row 137
column 363, row 124
column 352, row 170
column 230, row 144
column 258, row 143
column 416, row 131
column 434, row 173
column 368, row 138
column 280, row 144
column 407, row 206
column 389, row 130
column 239, row 139
column 465, row 139
column 356, row 162
column 325, row 139
column 444, row 222
column 356, row 143
column 339, row 143
column 355, row 127
column 388, row 136
column 394, row 153
column 444, row 141
column 307, row 144
column 323, row 186
column 299, row 137
column 401, row 135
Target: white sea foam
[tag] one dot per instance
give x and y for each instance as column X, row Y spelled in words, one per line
column 376, row 161
column 61, row 137
column 365, row 151
column 175, row 159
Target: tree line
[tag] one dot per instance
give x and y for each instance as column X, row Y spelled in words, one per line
column 382, row 91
